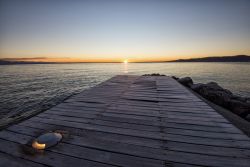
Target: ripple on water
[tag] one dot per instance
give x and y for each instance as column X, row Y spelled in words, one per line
column 34, row 88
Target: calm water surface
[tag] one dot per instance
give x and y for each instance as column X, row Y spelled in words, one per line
column 29, row 88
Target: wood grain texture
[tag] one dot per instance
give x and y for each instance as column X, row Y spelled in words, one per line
column 130, row 121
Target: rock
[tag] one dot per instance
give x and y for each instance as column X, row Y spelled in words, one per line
column 248, row 117
column 196, row 87
column 223, row 97
column 238, row 107
column 248, row 99
column 243, row 99
column 154, row 74
column 174, row 77
column 186, row 81
column 215, row 86
column 220, row 96
column 213, row 92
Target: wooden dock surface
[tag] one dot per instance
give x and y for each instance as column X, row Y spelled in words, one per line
column 133, row 121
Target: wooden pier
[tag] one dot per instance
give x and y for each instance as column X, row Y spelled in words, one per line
column 132, row 121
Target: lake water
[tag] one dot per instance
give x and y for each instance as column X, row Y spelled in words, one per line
column 29, row 88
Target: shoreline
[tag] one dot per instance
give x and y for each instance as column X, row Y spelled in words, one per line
column 213, row 92
column 239, row 122
column 219, row 99
column 52, row 63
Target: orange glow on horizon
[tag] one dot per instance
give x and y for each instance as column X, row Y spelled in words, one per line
column 91, row 60
column 63, row 60
column 106, row 59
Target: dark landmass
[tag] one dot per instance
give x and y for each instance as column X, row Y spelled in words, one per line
column 4, row 62
column 237, row 58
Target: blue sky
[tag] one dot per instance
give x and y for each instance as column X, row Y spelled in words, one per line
column 124, row 29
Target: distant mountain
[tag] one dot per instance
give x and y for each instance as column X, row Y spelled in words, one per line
column 238, row 58
column 4, row 62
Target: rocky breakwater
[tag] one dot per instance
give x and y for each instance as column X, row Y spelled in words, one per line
column 220, row 96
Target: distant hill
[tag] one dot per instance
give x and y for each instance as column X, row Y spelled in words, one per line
column 238, row 58
column 4, row 62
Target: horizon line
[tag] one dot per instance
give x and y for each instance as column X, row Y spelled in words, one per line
column 64, row 60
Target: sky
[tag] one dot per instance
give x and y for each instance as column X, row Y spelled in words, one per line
column 118, row 30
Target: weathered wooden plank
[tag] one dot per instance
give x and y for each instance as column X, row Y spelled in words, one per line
column 143, row 113
column 101, row 122
column 97, row 121
column 178, row 125
column 171, row 156
column 100, row 156
column 11, row 161
column 151, row 135
column 132, row 121
column 103, row 141
column 151, row 143
column 155, row 113
column 93, row 113
column 49, row 159
column 146, row 142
